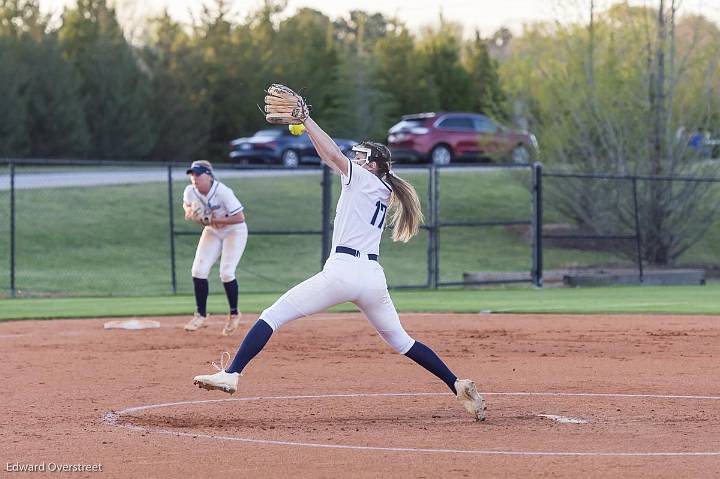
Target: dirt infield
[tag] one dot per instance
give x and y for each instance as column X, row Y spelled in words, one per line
column 327, row 398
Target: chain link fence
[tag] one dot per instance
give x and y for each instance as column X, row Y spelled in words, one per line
column 86, row 229
column 283, row 211
column 627, row 225
column 117, row 228
column 6, row 211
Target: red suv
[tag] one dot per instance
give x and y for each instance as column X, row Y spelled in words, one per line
column 441, row 138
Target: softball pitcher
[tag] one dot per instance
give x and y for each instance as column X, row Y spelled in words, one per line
column 211, row 203
column 370, row 190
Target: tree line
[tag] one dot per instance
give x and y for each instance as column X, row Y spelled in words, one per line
column 620, row 93
column 624, row 94
column 80, row 89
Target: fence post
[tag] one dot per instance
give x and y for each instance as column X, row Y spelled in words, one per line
column 173, row 279
column 537, row 225
column 638, row 241
column 429, row 221
column 436, row 227
column 13, row 289
column 326, row 198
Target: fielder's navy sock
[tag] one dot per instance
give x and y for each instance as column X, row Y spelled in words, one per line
column 253, row 343
column 231, row 291
column 426, row 358
column 201, row 294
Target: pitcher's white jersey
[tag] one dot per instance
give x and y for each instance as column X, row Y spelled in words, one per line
column 361, row 209
column 359, row 221
column 220, row 199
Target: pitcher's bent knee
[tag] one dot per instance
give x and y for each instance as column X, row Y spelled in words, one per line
column 400, row 340
column 280, row 313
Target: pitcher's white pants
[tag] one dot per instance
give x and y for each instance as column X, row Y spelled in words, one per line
column 229, row 241
column 344, row 278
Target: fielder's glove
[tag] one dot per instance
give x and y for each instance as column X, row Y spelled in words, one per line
column 285, row 107
column 200, row 214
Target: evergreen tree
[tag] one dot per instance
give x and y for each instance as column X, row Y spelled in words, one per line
column 43, row 116
column 361, row 111
column 308, row 35
column 56, row 121
column 178, row 105
column 237, row 63
column 14, row 136
column 114, row 88
column 486, row 94
column 399, row 74
column 441, row 60
column 361, row 30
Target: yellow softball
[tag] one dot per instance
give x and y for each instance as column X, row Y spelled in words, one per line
column 297, row 129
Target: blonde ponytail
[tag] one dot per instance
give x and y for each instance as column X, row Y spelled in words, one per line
column 406, row 215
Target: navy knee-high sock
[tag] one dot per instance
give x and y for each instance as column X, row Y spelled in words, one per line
column 426, row 358
column 201, row 294
column 254, row 341
column 231, row 291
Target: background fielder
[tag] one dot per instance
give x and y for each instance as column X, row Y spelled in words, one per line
column 352, row 272
column 211, row 203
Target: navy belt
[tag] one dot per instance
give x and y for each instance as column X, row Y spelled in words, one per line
column 354, row 252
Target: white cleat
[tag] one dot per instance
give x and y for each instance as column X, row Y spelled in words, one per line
column 196, row 322
column 232, row 324
column 221, row 380
column 468, row 395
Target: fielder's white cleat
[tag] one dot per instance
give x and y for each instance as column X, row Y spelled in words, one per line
column 232, row 324
column 196, row 322
column 468, row 395
column 221, row 380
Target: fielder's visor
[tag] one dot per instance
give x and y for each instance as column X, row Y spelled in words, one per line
column 199, row 169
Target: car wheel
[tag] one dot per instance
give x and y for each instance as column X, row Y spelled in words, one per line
column 441, row 155
column 520, row 155
column 290, row 159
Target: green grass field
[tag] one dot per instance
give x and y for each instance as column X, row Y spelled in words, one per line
column 630, row 299
column 114, row 240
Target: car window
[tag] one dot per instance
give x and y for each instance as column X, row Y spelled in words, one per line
column 269, row 133
column 304, row 138
column 457, row 122
column 405, row 125
column 485, row 125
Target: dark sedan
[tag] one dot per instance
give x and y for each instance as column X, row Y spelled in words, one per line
column 279, row 146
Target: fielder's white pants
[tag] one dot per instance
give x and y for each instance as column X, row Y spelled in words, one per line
column 229, row 242
column 344, row 278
